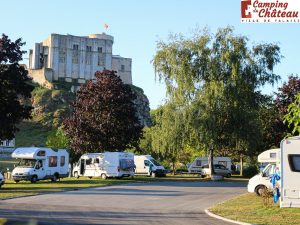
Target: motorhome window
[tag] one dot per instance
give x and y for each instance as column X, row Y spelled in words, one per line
column 97, row 160
column 62, row 160
column 155, row 162
column 273, row 155
column 294, row 161
column 88, row 161
column 146, row 163
column 198, row 162
column 39, row 164
column 41, row 153
column 224, row 163
column 126, row 164
column 52, row 161
column 28, row 163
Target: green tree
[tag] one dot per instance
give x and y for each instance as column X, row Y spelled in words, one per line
column 292, row 118
column 167, row 135
column 216, row 79
column 104, row 117
column 15, row 86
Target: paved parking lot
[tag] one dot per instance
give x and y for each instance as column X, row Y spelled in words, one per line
column 136, row 203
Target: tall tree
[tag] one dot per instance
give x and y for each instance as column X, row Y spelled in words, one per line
column 292, row 118
column 217, row 78
column 168, row 134
column 14, row 86
column 104, row 117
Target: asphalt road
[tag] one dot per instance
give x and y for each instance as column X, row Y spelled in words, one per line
column 136, row 203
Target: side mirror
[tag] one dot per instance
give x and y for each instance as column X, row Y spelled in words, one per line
column 263, row 174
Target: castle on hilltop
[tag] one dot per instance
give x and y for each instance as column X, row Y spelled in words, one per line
column 75, row 59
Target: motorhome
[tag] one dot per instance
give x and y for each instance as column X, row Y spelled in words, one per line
column 147, row 165
column 107, row 164
column 261, row 181
column 198, row 163
column 289, row 165
column 1, row 179
column 40, row 163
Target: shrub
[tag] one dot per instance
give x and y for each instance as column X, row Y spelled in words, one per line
column 250, row 171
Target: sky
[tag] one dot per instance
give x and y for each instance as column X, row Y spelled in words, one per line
column 137, row 25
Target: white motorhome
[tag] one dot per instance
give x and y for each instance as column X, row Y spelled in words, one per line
column 290, row 172
column 198, row 163
column 261, row 181
column 1, row 179
column 147, row 165
column 40, row 163
column 107, row 164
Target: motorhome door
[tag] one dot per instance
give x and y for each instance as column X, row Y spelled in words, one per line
column 82, row 166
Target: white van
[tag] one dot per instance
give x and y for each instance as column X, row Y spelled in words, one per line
column 107, row 164
column 198, row 163
column 1, row 179
column 40, row 163
column 290, row 172
column 147, row 165
column 261, row 181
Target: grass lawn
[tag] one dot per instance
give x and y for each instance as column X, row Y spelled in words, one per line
column 11, row 189
column 250, row 208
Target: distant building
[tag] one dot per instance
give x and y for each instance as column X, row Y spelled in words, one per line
column 75, row 59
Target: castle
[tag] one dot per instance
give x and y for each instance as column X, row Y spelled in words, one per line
column 75, row 59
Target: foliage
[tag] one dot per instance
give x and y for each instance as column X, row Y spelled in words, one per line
column 14, row 86
column 168, row 133
column 215, row 80
column 250, row 171
column 104, row 117
column 292, row 118
column 271, row 124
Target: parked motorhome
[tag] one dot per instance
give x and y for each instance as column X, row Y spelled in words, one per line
column 107, row 164
column 40, row 163
column 261, row 181
column 1, row 179
column 289, row 165
column 147, row 165
column 198, row 163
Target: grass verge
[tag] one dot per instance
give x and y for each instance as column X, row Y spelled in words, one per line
column 250, row 208
column 24, row 188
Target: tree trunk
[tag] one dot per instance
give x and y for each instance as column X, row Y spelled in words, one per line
column 173, row 166
column 241, row 165
column 211, row 161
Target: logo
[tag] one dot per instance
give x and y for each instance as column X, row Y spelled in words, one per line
column 270, row 11
column 246, row 8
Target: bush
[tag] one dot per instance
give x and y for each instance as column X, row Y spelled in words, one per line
column 250, row 171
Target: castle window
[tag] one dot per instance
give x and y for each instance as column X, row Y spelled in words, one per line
column 75, row 47
column 100, row 60
column 88, row 48
column 100, row 49
column 122, row 68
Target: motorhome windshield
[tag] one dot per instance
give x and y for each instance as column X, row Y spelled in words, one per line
column 269, row 170
column 28, row 163
column 155, row 163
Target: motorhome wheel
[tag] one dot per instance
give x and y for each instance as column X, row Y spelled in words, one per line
column 55, row 178
column 33, row 179
column 17, row 181
column 228, row 175
column 259, row 190
column 103, row 176
column 90, row 177
column 76, row 175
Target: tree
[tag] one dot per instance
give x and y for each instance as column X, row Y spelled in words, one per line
column 104, row 117
column 167, row 135
column 284, row 97
column 14, row 86
column 292, row 118
column 217, row 78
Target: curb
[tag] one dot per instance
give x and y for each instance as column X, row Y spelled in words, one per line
column 224, row 219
